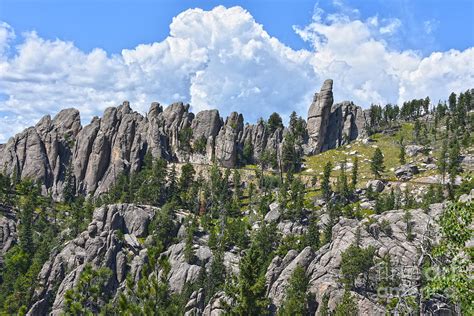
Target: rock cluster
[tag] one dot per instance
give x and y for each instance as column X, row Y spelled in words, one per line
column 330, row 126
column 385, row 232
column 406, row 172
column 109, row 241
column 60, row 149
column 8, row 230
column 114, row 239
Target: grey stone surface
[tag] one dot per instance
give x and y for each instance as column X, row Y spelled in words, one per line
column 406, row 172
column 117, row 142
column 377, row 185
column 100, row 246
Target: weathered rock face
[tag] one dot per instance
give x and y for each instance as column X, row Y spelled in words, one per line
column 318, row 116
column 385, row 232
column 8, row 231
column 205, row 128
column 413, row 150
column 95, row 155
column 206, row 124
column 330, row 126
column 346, row 122
column 227, row 146
column 377, row 185
column 43, row 152
column 101, row 246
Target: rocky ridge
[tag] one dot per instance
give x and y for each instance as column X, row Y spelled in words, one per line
column 95, row 154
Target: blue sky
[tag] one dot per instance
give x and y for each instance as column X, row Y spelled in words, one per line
column 117, row 24
column 256, row 58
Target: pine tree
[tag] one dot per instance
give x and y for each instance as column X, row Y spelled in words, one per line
column 274, row 122
column 217, row 273
column 90, row 293
column 426, row 105
column 30, row 193
column 296, row 199
column 186, row 178
column 185, row 183
column 355, row 172
column 237, row 184
column 342, row 185
column 296, row 299
column 291, row 158
column 312, row 236
column 332, row 210
column 247, row 153
column 172, row 183
column 250, row 298
column 325, row 183
column 189, row 241
column 377, row 164
column 402, row 154
column 452, row 102
column 442, row 162
column 348, row 306
column 69, row 190
column 454, row 165
column 356, row 260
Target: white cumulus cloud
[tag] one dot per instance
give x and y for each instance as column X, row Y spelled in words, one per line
column 223, row 58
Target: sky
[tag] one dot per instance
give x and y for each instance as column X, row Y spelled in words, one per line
column 254, row 57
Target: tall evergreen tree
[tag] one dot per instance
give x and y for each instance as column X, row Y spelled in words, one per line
column 402, row 154
column 342, row 184
column 442, row 159
column 251, row 289
column 296, row 299
column 274, row 122
column 326, row 181
column 355, row 172
column 377, row 163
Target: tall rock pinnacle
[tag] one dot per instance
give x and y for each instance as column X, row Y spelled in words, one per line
column 318, row 117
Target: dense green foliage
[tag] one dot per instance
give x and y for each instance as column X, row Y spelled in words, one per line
column 297, row 298
column 356, row 261
column 454, row 258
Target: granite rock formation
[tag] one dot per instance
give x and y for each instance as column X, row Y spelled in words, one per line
column 96, row 154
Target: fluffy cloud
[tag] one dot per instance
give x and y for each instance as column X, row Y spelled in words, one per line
column 356, row 54
column 223, row 59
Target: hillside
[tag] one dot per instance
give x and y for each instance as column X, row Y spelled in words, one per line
column 346, row 212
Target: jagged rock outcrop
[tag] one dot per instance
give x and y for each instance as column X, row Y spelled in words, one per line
column 217, row 304
column 376, row 185
column 116, row 239
column 386, row 232
column 205, row 127
column 227, row 146
column 101, row 245
column 318, row 117
column 195, row 305
column 8, row 230
column 330, row 126
column 96, row 154
column 43, row 152
column 345, row 123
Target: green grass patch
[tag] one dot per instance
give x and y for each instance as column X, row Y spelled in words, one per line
column 388, row 144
